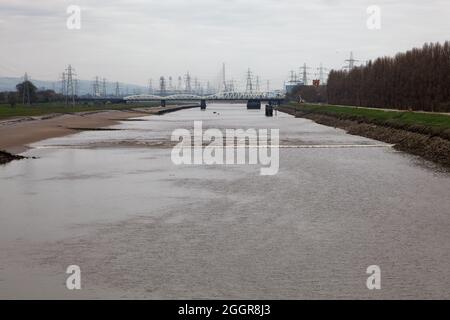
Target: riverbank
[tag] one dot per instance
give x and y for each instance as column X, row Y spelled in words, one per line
column 423, row 134
column 17, row 133
column 6, row 157
column 51, row 108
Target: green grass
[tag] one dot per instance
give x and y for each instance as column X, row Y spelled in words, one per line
column 437, row 122
column 6, row 111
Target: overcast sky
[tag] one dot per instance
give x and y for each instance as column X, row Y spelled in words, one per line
column 134, row 40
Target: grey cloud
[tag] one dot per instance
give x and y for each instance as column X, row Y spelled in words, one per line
column 134, row 40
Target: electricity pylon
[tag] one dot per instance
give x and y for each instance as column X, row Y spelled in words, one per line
column 179, row 86
column 150, row 86
column 63, row 83
column 305, row 74
column 162, row 86
column 117, row 89
column 70, row 85
column 26, row 90
column 293, row 76
column 104, row 87
column 96, row 87
column 187, row 83
column 224, row 81
column 170, row 84
column 322, row 71
column 351, row 62
column 249, row 85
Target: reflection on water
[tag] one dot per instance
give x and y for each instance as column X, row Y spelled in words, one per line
column 141, row 227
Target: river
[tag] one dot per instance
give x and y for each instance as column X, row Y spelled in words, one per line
column 138, row 226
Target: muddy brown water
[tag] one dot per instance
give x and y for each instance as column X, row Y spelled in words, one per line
column 138, row 226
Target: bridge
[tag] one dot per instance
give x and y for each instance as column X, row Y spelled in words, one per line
column 253, row 98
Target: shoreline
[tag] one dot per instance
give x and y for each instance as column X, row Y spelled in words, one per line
column 17, row 133
column 418, row 139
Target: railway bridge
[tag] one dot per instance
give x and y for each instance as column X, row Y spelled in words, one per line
column 253, row 99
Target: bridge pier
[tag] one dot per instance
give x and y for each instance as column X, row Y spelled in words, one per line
column 269, row 110
column 202, row 104
column 163, row 103
column 254, row 104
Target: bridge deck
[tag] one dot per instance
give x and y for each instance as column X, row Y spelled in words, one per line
column 224, row 96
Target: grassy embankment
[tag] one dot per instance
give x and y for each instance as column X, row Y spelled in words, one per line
column 40, row 109
column 423, row 134
column 436, row 124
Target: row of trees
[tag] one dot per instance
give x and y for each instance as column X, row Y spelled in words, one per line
column 418, row 80
column 28, row 93
column 309, row 94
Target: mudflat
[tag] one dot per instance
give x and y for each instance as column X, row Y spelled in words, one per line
column 17, row 133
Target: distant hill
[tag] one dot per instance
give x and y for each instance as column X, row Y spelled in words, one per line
column 84, row 86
